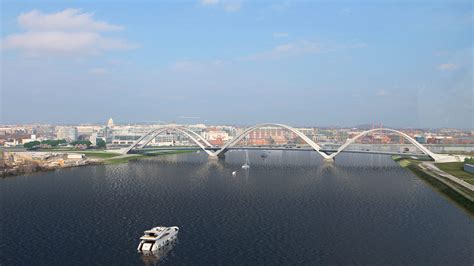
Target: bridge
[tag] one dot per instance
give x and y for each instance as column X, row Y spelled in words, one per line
column 327, row 155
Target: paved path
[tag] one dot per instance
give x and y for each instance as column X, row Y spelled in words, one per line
column 459, row 185
column 457, row 180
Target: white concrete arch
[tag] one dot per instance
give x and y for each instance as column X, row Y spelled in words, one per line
column 196, row 138
column 239, row 137
column 348, row 142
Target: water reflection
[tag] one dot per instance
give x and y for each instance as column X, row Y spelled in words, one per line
column 154, row 257
column 289, row 208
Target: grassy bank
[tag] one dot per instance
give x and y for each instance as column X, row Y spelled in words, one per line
column 90, row 153
column 457, row 170
column 437, row 185
column 98, row 154
column 126, row 158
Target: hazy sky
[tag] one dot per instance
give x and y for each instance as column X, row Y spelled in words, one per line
column 321, row 63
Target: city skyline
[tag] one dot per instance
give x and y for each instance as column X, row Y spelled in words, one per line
column 196, row 121
column 301, row 63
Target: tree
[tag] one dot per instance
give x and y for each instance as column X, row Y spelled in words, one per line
column 100, row 143
column 81, row 142
column 32, row 144
column 53, row 143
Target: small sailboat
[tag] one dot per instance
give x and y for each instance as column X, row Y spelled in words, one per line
column 234, row 173
column 246, row 165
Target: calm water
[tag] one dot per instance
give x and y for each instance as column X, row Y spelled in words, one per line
column 289, row 208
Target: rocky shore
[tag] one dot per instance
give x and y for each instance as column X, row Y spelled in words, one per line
column 19, row 163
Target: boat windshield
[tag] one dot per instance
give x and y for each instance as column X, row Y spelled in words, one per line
column 163, row 235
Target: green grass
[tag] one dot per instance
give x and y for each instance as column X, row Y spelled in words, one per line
column 122, row 159
column 457, row 170
column 404, row 163
column 167, row 152
column 130, row 157
column 98, row 154
column 443, row 189
column 101, row 154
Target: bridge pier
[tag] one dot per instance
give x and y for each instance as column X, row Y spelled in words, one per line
column 219, row 156
column 328, row 160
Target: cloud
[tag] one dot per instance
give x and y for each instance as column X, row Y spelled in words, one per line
column 67, row 32
column 287, row 50
column 280, row 34
column 354, row 44
column 303, row 48
column 447, row 66
column 209, row 2
column 232, row 6
column 189, row 65
column 98, row 71
column 281, row 6
column 382, row 93
column 227, row 5
column 67, row 20
column 65, row 43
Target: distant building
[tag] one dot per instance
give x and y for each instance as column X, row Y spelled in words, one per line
column 110, row 123
column 124, row 139
column 217, row 142
column 108, row 131
column 93, row 139
column 67, row 133
column 420, row 139
column 215, row 134
column 271, row 135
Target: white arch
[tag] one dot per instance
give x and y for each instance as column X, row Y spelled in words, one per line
column 238, row 138
column 196, row 138
column 187, row 132
column 434, row 156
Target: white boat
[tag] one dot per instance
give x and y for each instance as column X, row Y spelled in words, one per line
column 246, row 165
column 157, row 238
column 234, row 173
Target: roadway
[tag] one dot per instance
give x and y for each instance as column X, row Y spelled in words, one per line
column 280, row 148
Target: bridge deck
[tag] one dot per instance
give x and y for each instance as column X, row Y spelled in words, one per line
column 327, row 151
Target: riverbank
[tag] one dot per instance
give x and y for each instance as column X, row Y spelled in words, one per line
column 110, row 157
column 456, row 169
column 456, row 193
column 20, row 163
column 129, row 157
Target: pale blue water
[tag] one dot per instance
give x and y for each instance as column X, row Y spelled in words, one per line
column 289, row 208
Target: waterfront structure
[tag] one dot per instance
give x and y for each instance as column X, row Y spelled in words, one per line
column 208, row 147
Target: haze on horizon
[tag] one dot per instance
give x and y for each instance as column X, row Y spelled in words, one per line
column 315, row 63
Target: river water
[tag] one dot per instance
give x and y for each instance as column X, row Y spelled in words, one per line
column 288, row 208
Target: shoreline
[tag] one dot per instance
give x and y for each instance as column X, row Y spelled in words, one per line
column 453, row 192
column 92, row 158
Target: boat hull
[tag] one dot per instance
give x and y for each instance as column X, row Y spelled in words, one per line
column 147, row 245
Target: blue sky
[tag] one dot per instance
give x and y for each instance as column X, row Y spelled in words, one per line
column 306, row 63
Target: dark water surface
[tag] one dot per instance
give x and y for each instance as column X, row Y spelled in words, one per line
column 289, row 208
